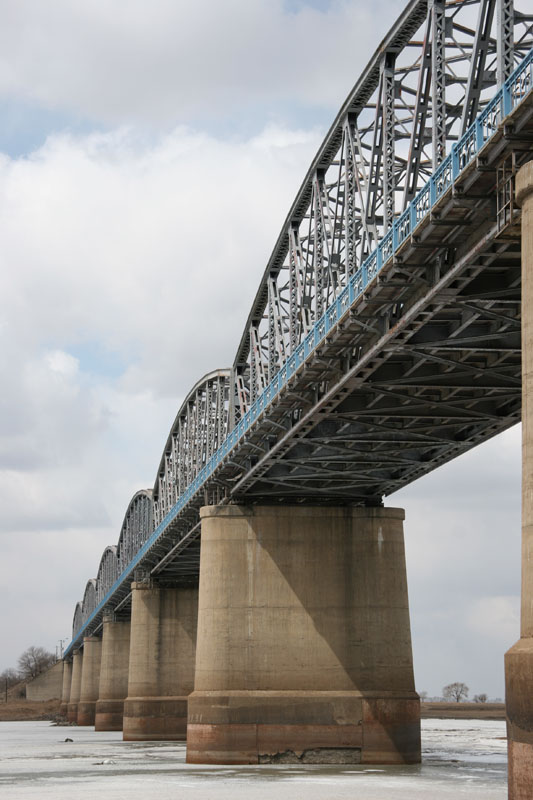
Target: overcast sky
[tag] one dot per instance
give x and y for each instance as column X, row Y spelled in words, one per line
column 149, row 152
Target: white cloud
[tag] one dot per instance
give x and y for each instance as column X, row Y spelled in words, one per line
column 109, row 237
column 63, row 363
column 113, row 244
column 173, row 60
column 496, row 617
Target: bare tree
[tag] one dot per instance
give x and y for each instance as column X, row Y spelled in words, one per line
column 480, row 698
column 423, row 695
column 33, row 661
column 455, row 691
column 8, row 678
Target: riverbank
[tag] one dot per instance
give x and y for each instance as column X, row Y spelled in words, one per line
column 28, row 710
column 25, row 710
column 490, row 711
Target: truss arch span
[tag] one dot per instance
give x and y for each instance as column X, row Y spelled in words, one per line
column 198, row 430
column 107, row 572
column 77, row 620
column 89, row 599
column 136, row 528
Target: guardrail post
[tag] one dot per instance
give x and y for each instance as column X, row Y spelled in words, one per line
column 506, row 96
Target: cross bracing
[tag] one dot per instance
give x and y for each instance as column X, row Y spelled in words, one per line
column 384, row 339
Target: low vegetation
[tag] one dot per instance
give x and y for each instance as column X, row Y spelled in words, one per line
column 31, row 663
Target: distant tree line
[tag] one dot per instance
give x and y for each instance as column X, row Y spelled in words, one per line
column 31, row 663
column 457, row 692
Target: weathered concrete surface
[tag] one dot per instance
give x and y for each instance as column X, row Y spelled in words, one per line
column 65, row 689
column 161, row 666
column 519, row 659
column 113, row 675
column 48, row 685
column 304, row 646
column 90, row 680
column 75, row 686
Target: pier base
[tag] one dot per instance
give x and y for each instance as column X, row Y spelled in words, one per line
column 161, row 669
column 75, row 686
column 113, row 674
column 90, row 680
column 65, row 693
column 304, row 646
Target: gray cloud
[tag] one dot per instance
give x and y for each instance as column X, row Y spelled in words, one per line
column 114, row 62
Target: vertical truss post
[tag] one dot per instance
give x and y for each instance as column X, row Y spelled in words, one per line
column 224, row 385
column 181, row 462
column 504, row 39
column 294, row 294
column 253, row 364
column 438, row 90
column 196, row 437
column 318, row 243
column 211, row 427
column 477, row 63
column 418, row 129
column 257, row 368
column 387, row 68
column 350, row 190
column 271, row 334
column 232, row 409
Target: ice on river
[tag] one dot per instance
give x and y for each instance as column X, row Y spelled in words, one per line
column 460, row 758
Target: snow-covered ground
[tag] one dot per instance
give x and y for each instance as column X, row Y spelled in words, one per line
column 460, row 758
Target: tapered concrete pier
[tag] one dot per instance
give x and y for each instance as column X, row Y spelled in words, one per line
column 304, row 646
column 161, row 664
column 67, row 682
column 113, row 674
column 90, row 680
column 75, row 686
column 519, row 659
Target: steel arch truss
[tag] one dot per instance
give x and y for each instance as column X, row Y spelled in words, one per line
column 77, row 620
column 107, row 574
column 199, row 429
column 89, row 600
column 136, row 528
column 435, row 71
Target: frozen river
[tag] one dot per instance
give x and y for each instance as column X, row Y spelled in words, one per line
column 460, row 758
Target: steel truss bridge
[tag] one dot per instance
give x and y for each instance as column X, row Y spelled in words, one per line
column 384, row 338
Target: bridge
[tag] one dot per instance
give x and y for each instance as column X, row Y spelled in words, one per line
column 256, row 601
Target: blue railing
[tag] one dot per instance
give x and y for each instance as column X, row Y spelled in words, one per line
column 514, row 90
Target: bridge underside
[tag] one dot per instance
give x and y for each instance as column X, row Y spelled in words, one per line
column 427, row 367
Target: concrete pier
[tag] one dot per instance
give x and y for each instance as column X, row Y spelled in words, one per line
column 519, row 659
column 161, row 668
column 304, row 647
column 90, row 680
column 75, row 686
column 65, row 693
column 113, row 674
